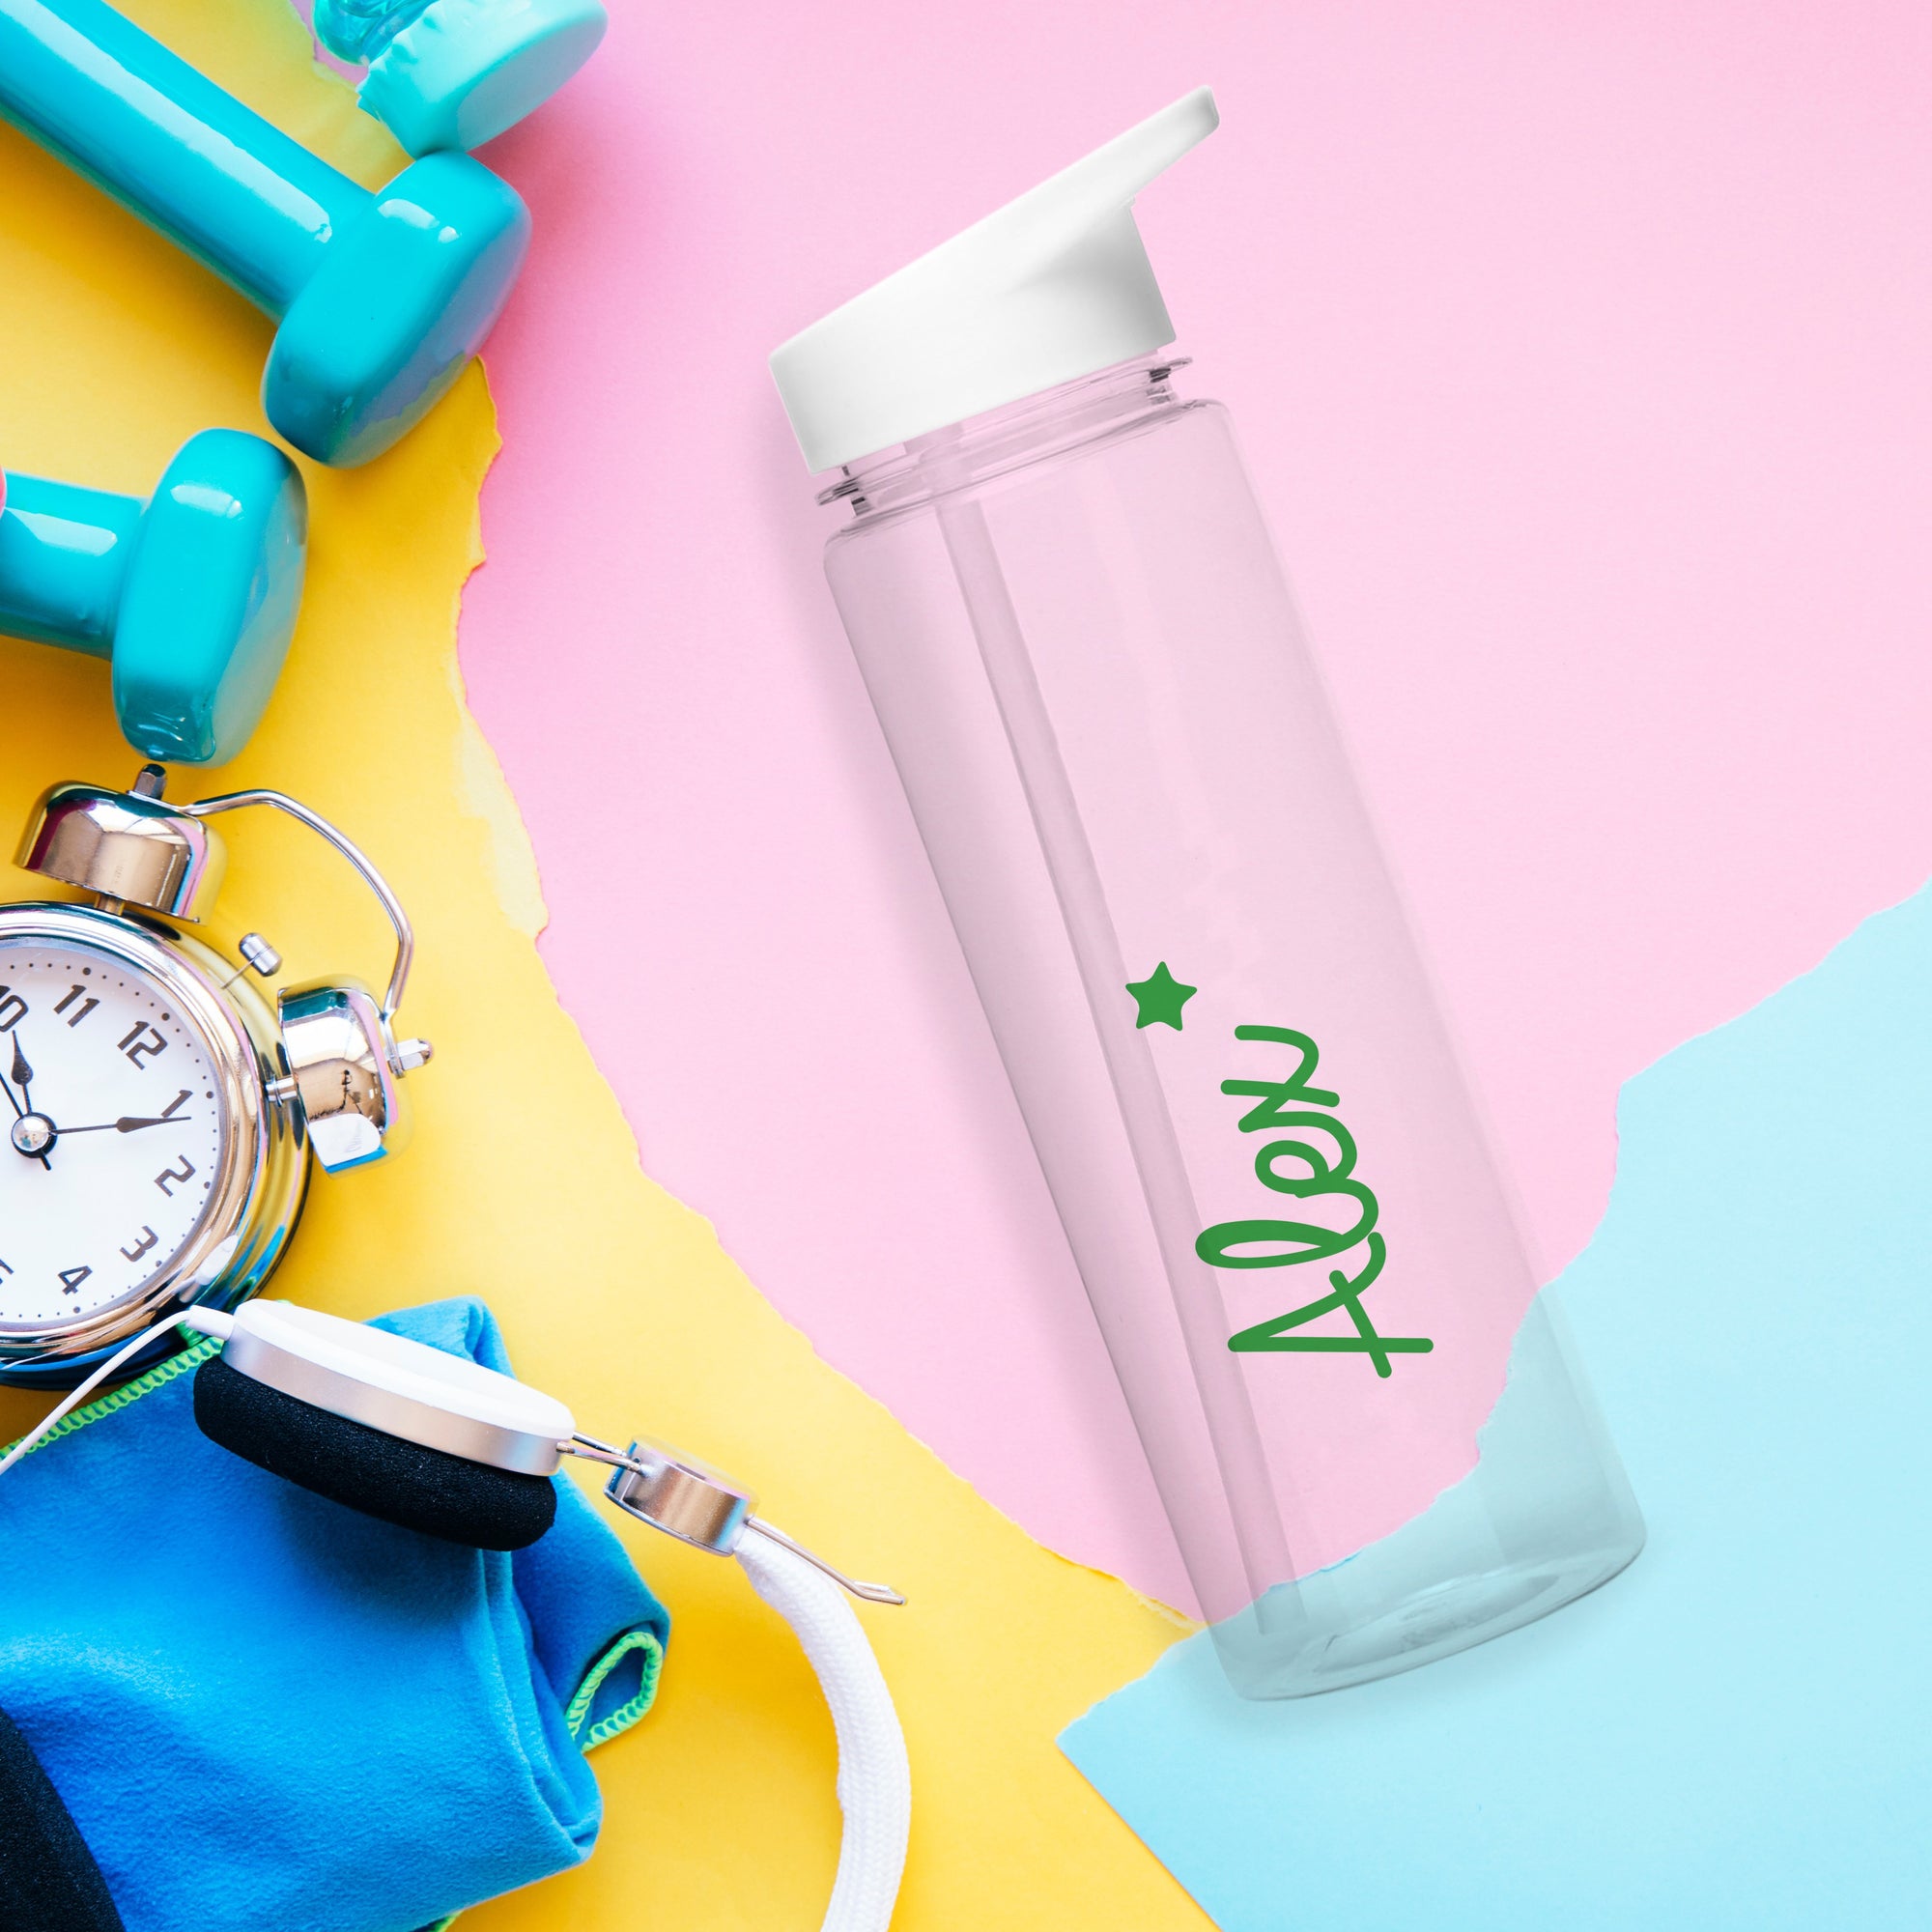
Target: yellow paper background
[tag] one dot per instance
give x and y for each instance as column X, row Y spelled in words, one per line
column 523, row 1181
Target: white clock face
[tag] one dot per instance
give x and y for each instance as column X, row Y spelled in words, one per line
column 112, row 1129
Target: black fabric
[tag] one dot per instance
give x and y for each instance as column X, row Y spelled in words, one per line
column 403, row 1483
column 48, row 1879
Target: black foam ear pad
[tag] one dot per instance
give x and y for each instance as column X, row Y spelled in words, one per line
column 48, row 1879
column 384, row 1476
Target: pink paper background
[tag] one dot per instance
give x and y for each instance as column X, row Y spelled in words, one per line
column 1582, row 357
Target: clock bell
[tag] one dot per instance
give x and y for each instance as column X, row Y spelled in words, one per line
column 341, row 1064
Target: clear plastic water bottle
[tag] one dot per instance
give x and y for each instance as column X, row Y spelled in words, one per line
column 1078, row 638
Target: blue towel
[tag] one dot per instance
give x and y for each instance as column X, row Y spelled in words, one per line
column 264, row 1711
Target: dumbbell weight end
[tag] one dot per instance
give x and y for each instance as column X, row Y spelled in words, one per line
column 193, row 596
column 401, row 302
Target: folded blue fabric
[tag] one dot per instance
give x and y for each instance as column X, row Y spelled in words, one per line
column 265, row 1710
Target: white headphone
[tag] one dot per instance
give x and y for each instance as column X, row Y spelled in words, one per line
column 439, row 1443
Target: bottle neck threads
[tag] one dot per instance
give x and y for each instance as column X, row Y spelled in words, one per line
column 985, row 446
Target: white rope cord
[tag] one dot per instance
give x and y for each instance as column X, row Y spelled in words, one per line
column 874, row 1777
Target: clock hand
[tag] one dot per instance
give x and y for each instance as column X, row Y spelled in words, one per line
column 20, row 1112
column 129, row 1123
column 23, row 1074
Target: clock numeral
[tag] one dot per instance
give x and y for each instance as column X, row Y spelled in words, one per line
column 168, row 1174
column 87, row 1004
column 141, row 1247
column 6, row 1267
column 72, row 1279
column 13, row 1009
column 141, row 1042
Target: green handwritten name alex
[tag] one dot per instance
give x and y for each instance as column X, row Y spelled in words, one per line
column 1279, row 1243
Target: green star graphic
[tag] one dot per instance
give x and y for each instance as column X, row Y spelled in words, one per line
column 1160, row 997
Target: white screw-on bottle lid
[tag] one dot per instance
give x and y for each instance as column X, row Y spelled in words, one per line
column 1054, row 286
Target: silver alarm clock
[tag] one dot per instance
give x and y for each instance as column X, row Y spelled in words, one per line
column 159, row 1118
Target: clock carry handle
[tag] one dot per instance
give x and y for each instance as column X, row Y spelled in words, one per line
column 344, row 1061
column 406, row 942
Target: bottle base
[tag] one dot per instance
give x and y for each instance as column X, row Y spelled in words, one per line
column 1280, row 1650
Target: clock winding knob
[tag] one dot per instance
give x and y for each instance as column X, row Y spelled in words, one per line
column 258, row 955
column 411, row 1054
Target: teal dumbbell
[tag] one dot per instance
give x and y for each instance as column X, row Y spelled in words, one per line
column 455, row 73
column 192, row 595
column 382, row 298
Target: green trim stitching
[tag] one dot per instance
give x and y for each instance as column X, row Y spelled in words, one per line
column 161, row 1373
column 620, row 1720
column 626, row 1715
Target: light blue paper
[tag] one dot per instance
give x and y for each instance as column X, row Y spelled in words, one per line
column 1737, row 1732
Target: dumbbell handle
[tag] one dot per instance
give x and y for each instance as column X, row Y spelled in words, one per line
column 257, row 207
column 63, row 553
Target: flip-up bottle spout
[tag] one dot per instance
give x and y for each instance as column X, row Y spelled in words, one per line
column 1053, row 286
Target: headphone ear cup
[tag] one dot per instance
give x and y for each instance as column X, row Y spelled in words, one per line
column 48, row 1879
column 403, row 1483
